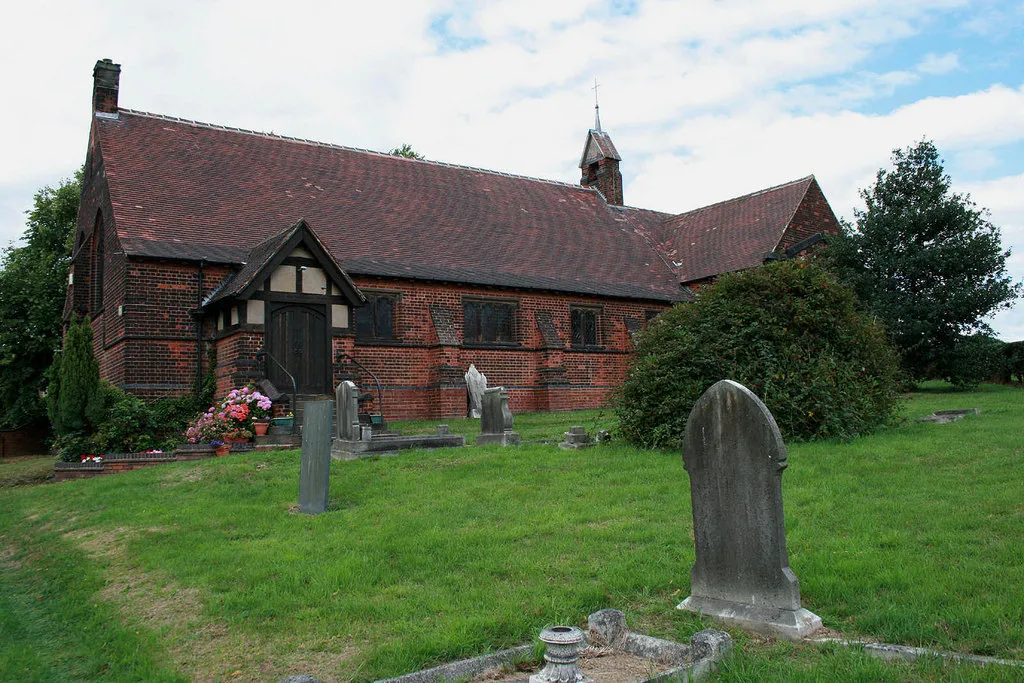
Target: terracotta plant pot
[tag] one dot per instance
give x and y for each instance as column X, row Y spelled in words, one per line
column 223, row 449
column 261, row 428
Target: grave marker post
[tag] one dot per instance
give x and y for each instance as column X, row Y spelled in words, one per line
column 315, row 470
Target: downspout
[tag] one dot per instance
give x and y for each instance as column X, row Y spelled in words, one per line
column 199, row 331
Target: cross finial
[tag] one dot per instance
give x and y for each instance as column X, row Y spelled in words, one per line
column 597, row 109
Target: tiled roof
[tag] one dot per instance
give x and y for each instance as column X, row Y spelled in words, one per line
column 598, row 145
column 731, row 235
column 255, row 261
column 182, row 189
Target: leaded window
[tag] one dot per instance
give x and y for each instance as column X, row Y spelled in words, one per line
column 376, row 320
column 489, row 322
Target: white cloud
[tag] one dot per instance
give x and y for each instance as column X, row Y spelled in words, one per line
column 705, row 99
column 936, row 65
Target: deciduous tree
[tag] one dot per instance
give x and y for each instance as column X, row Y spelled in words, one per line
column 33, row 278
column 407, row 151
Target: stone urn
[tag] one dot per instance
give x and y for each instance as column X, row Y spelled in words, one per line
column 564, row 644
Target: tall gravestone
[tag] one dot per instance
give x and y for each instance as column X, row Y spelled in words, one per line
column 476, row 384
column 346, row 398
column 315, row 470
column 735, row 456
column 496, row 419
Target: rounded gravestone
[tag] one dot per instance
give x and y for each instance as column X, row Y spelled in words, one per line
column 734, row 454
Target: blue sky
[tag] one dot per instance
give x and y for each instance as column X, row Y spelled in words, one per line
column 705, row 99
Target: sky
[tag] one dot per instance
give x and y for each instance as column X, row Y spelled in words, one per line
column 705, row 100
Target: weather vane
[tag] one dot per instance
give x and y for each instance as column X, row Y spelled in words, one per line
column 597, row 109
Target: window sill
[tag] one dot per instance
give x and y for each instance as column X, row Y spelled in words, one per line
column 588, row 349
column 381, row 341
column 492, row 345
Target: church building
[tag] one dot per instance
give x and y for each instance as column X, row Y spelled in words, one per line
column 258, row 256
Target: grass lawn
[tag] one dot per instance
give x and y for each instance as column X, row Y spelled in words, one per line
column 203, row 571
column 22, row 471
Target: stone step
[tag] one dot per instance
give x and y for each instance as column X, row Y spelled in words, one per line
column 293, row 440
column 277, row 446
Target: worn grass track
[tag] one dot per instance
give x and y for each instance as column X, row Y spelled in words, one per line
column 202, row 571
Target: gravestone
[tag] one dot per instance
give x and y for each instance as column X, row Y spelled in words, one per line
column 496, row 419
column 315, row 470
column 346, row 398
column 734, row 454
column 476, row 384
column 576, row 438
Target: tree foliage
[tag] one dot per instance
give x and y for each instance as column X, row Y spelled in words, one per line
column 923, row 259
column 33, row 278
column 789, row 332
column 406, row 150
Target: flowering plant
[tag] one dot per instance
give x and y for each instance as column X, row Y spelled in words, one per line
column 210, row 427
column 257, row 405
column 92, row 458
column 234, row 416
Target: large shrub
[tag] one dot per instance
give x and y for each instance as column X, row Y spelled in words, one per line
column 789, row 332
column 976, row 358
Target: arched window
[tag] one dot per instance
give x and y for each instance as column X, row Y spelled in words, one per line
column 96, row 274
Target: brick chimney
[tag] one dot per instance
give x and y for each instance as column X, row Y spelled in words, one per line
column 600, row 165
column 106, row 76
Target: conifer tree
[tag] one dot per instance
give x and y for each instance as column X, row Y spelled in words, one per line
column 78, row 383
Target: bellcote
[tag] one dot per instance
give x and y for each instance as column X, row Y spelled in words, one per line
column 600, row 165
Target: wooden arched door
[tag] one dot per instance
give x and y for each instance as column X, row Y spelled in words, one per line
column 297, row 336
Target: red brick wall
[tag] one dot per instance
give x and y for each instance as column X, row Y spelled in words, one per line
column 150, row 350
column 25, row 441
column 814, row 215
column 423, row 379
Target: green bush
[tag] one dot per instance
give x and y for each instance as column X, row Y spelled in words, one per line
column 789, row 332
column 127, row 426
column 131, row 425
column 172, row 416
column 70, row 447
column 975, row 359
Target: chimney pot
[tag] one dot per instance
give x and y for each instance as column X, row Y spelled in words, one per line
column 106, row 78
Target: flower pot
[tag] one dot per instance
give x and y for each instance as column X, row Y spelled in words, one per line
column 223, row 449
column 261, row 428
column 228, row 439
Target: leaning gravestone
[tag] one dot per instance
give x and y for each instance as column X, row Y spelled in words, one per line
column 346, row 398
column 496, row 419
column 734, row 454
column 476, row 384
column 315, row 470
